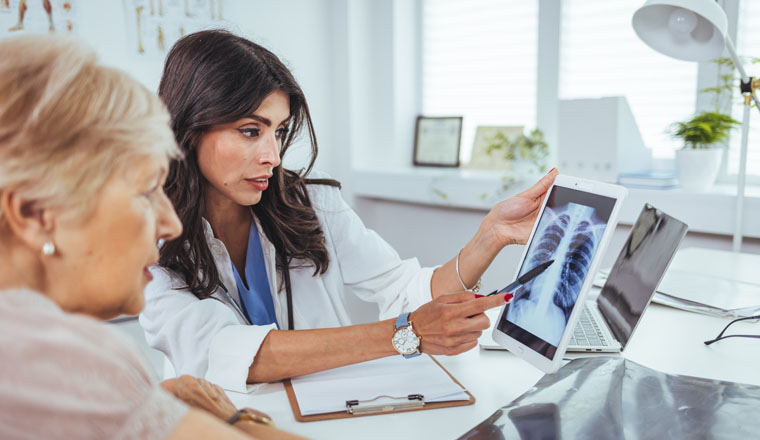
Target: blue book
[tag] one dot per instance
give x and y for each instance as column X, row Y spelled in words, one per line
column 651, row 179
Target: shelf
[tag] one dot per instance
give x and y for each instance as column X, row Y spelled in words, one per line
column 711, row 212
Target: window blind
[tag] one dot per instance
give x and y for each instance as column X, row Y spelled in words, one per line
column 747, row 45
column 600, row 55
column 479, row 61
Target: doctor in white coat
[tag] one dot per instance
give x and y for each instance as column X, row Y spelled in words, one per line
column 254, row 289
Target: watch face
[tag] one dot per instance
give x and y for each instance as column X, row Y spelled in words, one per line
column 405, row 341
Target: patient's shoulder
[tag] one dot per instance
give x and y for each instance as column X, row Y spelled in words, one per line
column 85, row 378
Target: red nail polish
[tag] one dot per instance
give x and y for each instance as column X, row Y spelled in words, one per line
column 508, row 297
column 479, row 296
column 552, row 170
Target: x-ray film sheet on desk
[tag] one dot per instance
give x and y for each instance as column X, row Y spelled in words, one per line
column 614, row 398
column 328, row 391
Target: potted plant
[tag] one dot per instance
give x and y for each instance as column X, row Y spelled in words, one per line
column 526, row 153
column 698, row 162
column 704, row 135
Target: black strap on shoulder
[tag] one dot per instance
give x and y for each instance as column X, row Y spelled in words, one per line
column 328, row 182
column 289, row 295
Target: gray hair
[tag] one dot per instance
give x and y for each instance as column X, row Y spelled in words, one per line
column 67, row 123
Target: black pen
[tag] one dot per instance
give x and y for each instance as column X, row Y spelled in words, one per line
column 523, row 279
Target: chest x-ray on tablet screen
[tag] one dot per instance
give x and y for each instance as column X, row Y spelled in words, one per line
column 569, row 232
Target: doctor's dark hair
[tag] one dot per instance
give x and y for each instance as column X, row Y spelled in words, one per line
column 212, row 78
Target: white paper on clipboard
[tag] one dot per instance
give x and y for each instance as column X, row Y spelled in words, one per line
column 394, row 376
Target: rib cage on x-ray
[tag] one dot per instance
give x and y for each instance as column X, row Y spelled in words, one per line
column 568, row 235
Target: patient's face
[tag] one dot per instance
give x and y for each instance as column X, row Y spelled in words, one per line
column 101, row 263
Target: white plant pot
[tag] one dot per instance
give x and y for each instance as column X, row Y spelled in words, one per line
column 698, row 168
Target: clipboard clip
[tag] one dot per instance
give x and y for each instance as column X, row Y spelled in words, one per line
column 411, row 401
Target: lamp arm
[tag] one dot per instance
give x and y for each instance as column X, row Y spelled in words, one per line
column 735, row 59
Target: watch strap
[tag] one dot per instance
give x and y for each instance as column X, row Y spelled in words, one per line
column 402, row 320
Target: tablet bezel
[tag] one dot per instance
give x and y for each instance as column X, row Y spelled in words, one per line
column 538, row 360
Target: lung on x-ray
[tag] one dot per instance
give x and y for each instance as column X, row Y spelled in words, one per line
column 569, row 232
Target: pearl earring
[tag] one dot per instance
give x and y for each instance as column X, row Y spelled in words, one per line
column 48, row 248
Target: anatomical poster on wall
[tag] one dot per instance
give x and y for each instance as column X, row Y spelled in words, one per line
column 36, row 16
column 569, row 233
column 153, row 26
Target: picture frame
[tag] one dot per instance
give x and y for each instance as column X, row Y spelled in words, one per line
column 480, row 157
column 437, row 141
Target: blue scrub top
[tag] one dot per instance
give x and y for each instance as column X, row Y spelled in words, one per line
column 256, row 297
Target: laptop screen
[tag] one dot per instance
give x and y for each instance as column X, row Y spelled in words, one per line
column 638, row 270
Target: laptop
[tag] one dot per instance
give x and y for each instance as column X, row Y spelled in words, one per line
column 607, row 324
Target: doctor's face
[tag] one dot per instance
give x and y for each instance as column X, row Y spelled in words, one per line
column 101, row 264
column 237, row 159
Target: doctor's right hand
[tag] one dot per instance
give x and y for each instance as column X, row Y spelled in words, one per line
column 451, row 324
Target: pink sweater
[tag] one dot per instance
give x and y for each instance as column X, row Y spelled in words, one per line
column 66, row 376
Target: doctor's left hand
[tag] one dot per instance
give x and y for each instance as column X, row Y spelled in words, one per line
column 510, row 221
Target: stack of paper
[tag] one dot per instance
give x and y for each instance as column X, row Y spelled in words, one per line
column 709, row 294
column 718, row 283
column 388, row 380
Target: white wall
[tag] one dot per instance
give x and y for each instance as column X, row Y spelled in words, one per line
column 300, row 32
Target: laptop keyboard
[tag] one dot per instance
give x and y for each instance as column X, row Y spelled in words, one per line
column 587, row 331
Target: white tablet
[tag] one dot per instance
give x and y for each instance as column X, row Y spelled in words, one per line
column 573, row 228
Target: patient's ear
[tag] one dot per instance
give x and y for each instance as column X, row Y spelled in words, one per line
column 26, row 220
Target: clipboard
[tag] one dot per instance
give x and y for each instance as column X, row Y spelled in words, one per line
column 362, row 408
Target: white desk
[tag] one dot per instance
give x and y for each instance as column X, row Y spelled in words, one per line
column 667, row 340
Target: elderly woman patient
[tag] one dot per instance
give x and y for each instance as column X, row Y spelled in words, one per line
column 84, row 153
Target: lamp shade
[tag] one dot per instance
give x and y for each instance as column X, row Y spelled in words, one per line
column 690, row 30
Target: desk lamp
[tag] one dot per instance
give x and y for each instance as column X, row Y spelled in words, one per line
column 696, row 30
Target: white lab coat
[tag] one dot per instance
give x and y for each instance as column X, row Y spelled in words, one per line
column 211, row 338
